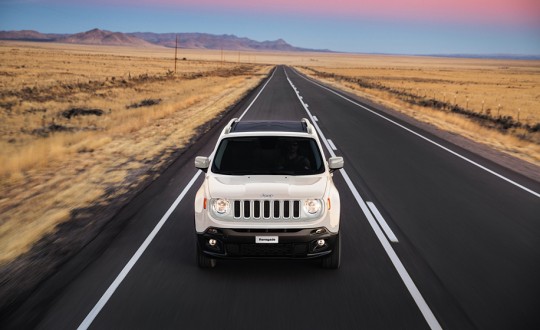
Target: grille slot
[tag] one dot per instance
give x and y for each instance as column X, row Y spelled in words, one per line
column 286, row 209
column 247, row 209
column 266, row 209
column 256, row 209
column 237, row 209
column 296, row 209
column 277, row 208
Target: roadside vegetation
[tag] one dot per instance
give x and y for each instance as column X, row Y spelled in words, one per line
column 81, row 125
column 494, row 102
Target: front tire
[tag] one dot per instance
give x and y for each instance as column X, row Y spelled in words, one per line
column 203, row 260
column 333, row 260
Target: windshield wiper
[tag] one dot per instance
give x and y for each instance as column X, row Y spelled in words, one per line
column 233, row 172
column 276, row 172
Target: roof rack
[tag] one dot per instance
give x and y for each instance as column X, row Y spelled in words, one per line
column 230, row 126
column 269, row 126
column 309, row 127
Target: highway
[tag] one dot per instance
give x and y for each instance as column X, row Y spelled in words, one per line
column 459, row 247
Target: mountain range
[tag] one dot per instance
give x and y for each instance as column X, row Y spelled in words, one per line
column 149, row 39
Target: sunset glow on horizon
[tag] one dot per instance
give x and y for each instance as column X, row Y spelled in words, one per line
column 481, row 11
column 405, row 26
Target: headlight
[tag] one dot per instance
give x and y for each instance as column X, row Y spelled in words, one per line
column 221, row 206
column 312, row 206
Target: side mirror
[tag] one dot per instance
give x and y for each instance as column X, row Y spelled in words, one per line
column 335, row 163
column 202, row 163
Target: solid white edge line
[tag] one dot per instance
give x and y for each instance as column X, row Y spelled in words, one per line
column 389, row 233
column 332, row 145
column 406, row 278
column 127, row 268
column 116, row 283
column 425, row 138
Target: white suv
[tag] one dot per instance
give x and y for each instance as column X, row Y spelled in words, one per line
column 268, row 193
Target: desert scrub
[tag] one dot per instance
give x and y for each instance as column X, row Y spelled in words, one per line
column 495, row 102
column 76, row 132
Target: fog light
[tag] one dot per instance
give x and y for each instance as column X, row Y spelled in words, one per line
column 321, row 242
column 212, row 242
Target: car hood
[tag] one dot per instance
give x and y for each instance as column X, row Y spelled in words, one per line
column 267, row 187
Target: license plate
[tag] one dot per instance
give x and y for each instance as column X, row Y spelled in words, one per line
column 266, row 239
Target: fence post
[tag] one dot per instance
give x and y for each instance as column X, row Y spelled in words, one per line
column 175, row 53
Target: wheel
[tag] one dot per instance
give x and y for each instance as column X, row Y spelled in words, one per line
column 333, row 260
column 203, row 260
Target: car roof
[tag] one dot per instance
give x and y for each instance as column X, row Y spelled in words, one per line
column 269, row 126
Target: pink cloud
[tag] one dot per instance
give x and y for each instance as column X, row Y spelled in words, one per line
column 481, row 11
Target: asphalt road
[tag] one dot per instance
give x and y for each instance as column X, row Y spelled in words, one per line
column 467, row 253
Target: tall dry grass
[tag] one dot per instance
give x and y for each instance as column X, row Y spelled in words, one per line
column 38, row 84
column 51, row 165
column 45, row 175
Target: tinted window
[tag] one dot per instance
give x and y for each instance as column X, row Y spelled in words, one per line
column 268, row 155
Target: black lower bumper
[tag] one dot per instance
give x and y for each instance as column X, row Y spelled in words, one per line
column 243, row 243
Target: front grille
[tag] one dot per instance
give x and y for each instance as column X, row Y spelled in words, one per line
column 266, row 209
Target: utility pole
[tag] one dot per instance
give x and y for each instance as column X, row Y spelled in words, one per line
column 175, row 53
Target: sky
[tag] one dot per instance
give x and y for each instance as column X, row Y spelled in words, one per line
column 360, row 26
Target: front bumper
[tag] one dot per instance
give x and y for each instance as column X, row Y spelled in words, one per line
column 241, row 243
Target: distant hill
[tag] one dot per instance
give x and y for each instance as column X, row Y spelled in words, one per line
column 144, row 39
column 101, row 37
column 211, row 41
column 92, row 37
column 28, row 35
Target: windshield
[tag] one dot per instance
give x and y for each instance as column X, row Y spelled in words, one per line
column 262, row 155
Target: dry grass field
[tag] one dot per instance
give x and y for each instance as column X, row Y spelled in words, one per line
column 495, row 102
column 80, row 125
